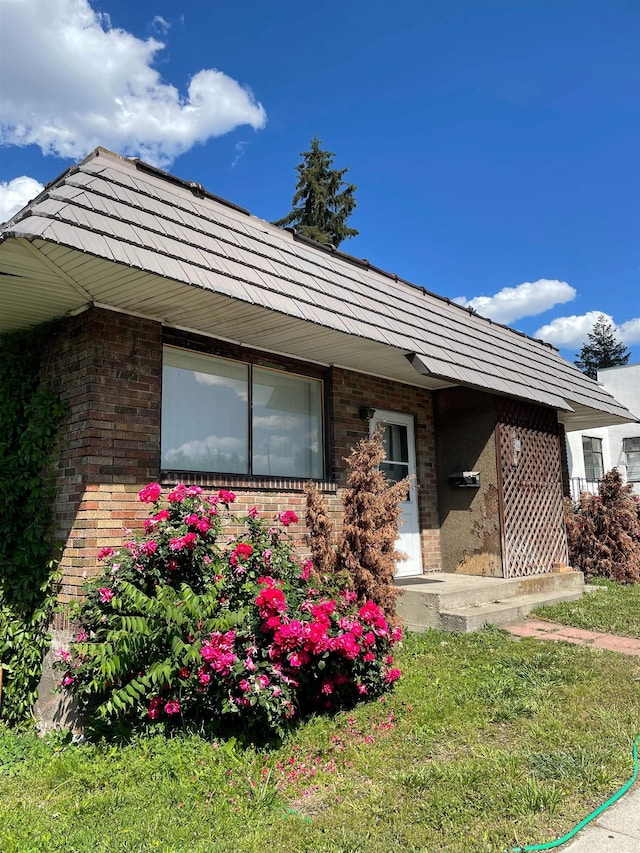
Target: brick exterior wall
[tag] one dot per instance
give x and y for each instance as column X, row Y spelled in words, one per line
column 107, row 366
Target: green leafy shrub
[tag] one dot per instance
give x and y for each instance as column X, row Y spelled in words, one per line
column 30, row 417
column 180, row 631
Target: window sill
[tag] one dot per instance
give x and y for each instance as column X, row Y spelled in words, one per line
column 213, row 481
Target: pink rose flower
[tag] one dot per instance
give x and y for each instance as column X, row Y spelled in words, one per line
column 253, row 512
column 103, row 553
column 190, row 540
column 172, row 707
column 396, row 635
column 106, row 594
column 150, row 493
column 153, row 711
column 287, row 518
column 226, row 497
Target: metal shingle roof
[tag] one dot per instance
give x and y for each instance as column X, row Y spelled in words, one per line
column 131, row 214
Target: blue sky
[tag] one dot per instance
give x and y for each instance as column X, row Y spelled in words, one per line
column 495, row 143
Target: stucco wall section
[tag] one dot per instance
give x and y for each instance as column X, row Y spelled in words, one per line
column 469, row 517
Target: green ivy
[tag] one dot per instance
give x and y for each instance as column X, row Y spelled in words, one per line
column 30, row 417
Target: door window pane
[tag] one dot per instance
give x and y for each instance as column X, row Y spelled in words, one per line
column 394, row 441
column 287, row 424
column 394, row 471
column 205, row 419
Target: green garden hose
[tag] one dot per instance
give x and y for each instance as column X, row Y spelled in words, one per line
column 550, row 844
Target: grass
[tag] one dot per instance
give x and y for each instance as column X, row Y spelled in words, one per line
column 487, row 742
column 615, row 609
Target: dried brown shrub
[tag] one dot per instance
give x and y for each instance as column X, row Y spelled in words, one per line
column 370, row 527
column 320, row 535
column 603, row 532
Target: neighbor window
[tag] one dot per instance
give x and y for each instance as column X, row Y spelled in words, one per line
column 593, row 463
column 232, row 417
column 631, row 447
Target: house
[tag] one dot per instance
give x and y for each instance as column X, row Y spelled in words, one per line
column 594, row 451
column 198, row 343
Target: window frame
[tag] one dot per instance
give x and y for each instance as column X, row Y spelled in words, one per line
column 627, row 450
column 589, row 468
column 252, row 359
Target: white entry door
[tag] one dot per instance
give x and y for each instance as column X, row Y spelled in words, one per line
column 399, row 444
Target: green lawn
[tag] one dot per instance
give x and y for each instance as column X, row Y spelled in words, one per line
column 487, row 742
column 614, row 608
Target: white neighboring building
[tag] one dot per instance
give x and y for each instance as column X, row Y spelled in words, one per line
column 593, row 452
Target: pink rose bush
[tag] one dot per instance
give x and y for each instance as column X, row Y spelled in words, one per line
column 180, row 630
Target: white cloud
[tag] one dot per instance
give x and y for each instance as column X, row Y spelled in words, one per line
column 239, row 148
column 211, row 448
column 71, row 82
column 160, row 24
column 570, row 331
column 629, row 331
column 525, row 300
column 237, row 386
column 573, row 331
column 15, row 194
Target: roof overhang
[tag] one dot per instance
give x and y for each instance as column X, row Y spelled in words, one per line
column 574, row 416
column 42, row 282
column 123, row 235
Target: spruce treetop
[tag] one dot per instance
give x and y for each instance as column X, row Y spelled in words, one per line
column 323, row 201
column 602, row 349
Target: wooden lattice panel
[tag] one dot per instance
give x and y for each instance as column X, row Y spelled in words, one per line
column 529, row 461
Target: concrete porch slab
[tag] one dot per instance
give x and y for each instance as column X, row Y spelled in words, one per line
column 463, row 603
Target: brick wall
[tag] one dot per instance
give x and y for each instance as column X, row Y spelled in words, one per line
column 348, row 392
column 108, row 367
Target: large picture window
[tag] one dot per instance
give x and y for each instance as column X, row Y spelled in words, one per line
column 593, row 461
column 224, row 416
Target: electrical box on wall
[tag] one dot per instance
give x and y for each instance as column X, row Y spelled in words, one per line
column 469, row 479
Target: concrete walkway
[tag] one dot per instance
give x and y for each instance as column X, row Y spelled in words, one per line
column 617, row 829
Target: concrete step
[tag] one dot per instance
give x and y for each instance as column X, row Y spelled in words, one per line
column 453, row 590
column 463, row 603
column 464, row 620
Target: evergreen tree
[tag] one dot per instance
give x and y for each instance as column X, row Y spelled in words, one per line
column 602, row 349
column 323, row 201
